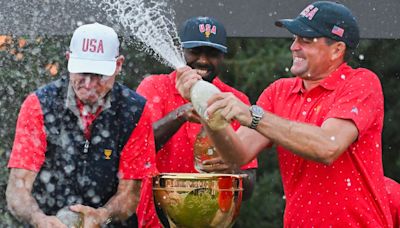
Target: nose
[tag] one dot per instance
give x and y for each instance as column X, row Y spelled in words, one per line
column 295, row 45
column 89, row 81
column 203, row 59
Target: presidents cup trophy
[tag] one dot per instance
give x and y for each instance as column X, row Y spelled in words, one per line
column 194, row 200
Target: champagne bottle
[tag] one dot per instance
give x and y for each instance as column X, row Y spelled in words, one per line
column 200, row 92
column 203, row 150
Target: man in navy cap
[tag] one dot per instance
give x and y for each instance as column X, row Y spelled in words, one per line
column 175, row 122
column 326, row 123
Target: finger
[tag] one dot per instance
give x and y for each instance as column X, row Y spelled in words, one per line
column 181, row 70
column 216, row 97
column 221, row 168
column 216, row 105
column 213, row 161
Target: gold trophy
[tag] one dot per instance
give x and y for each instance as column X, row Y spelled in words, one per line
column 192, row 200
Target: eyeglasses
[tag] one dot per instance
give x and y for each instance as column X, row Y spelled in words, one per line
column 208, row 51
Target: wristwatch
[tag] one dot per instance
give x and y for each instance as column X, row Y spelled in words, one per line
column 256, row 113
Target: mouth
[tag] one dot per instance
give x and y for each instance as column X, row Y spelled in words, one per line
column 203, row 72
column 298, row 60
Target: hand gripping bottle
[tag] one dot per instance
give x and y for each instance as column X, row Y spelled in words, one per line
column 200, row 92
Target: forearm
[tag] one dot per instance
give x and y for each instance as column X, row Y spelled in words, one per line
column 123, row 204
column 20, row 202
column 166, row 127
column 308, row 141
column 230, row 146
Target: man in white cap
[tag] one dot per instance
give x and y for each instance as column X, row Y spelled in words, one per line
column 83, row 141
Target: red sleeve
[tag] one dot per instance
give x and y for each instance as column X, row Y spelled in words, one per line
column 154, row 91
column 138, row 156
column 359, row 101
column 30, row 143
column 393, row 191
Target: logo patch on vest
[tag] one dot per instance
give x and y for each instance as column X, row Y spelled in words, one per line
column 107, row 153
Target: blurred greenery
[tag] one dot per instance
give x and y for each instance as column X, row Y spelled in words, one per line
column 251, row 65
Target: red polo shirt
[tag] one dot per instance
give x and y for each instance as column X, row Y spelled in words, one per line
column 137, row 157
column 351, row 191
column 177, row 154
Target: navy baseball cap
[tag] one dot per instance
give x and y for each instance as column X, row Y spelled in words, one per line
column 203, row 31
column 325, row 19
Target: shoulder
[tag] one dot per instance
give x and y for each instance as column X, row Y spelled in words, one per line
column 157, row 79
column 127, row 95
column 52, row 87
column 362, row 77
column 283, row 84
column 154, row 85
column 360, row 74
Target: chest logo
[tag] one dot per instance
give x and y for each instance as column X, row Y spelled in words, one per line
column 107, row 153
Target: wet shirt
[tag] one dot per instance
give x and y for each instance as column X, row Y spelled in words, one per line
column 350, row 192
column 137, row 157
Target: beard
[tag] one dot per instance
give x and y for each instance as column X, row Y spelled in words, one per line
column 212, row 71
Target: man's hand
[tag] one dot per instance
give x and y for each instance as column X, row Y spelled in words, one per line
column 187, row 112
column 217, row 165
column 231, row 108
column 45, row 221
column 186, row 77
column 92, row 217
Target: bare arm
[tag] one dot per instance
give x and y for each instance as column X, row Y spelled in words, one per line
column 120, row 207
column 166, row 127
column 21, row 203
column 322, row 144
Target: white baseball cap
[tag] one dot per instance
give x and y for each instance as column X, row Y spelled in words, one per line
column 94, row 48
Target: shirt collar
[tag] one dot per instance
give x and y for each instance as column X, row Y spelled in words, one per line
column 329, row 83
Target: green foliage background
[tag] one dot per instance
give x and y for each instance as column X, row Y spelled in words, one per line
column 251, row 65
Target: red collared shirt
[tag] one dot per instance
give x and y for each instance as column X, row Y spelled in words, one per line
column 177, row 154
column 350, row 192
column 28, row 152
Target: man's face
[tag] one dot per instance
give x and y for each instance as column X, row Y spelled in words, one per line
column 90, row 88
column 206, row 60
column 311, row 57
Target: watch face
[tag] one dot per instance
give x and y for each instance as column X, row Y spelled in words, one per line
column 257, row 111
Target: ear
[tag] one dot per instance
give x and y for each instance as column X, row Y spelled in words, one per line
column 67, row 53
column 338, row 50
column 120, row 61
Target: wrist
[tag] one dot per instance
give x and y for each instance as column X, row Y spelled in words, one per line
column 257, row 113
column 36, row 218
column 106, row 215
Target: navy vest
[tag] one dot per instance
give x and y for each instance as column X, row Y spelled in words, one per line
column 77, row 170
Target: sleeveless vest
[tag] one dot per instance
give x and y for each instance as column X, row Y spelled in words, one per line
column 77, row 170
